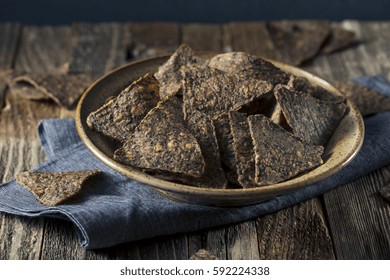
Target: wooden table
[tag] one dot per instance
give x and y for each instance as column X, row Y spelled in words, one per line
column 351, row 222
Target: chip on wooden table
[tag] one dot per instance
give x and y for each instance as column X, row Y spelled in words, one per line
column 53, row 188
column 279, row 155
column 215, row 93
column 203, row 254
column 169, row 75
column 64, row 89
column 162, row 142
column 339, row 39
column 367, row 100
column 298, row 41
column 311, row 120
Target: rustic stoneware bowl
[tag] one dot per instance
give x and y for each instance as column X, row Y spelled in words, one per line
column 341, row 149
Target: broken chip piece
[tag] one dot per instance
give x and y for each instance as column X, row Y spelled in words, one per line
column 169, row 75
column 311, row 120
column 279, row 155
column 119, row 116
column 162, row 142
column 215, row 93
column 339, row 39
column 367, row 100
column 53, row 188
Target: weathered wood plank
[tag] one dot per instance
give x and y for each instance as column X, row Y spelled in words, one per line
column 95, row 49
column 358, row 217
column 298, row 232
column 19, row 147
column 242, row 242
column 152, row 39
column 98, row 48
column 202, row 37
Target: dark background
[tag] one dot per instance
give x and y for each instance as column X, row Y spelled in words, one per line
column 67, row 11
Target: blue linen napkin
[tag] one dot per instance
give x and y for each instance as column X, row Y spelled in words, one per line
column 116, row 209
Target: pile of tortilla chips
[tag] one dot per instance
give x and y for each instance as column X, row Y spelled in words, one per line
column 232, row 121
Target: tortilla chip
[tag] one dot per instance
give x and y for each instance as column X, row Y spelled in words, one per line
column 312, row 120
column 243, row 149
column 339, row 39
column 203, row 129
column 53, row 188
column 385, row 192
column 203, row 254
column 247, row 65
column 279, row 155
column 298, row 41
column 367, row 100
column 119, row 117
column 303, row 84
column 215, row 93
column 134, row 102
column 162, row 142
column 64, row 89
column 169, row 75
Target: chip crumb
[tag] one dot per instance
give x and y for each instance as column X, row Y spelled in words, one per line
column 385, row 192
column 203, row 254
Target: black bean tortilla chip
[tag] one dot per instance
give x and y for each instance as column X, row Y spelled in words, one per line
column 63, row 89
column 243, row 64
column 119, row 116
column 367, row 100
column 279, row 155
column 338, row 39
column 243, row 149
column 215, row 93
column 53, row 188
column 311, row 120
column 169, row 75
column 162, row 142
column 203, row 129
column 298, row 41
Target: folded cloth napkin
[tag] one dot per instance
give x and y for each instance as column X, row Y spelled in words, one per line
column 116, row 209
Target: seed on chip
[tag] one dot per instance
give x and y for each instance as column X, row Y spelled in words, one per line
column 243, row 64
column 311, row 120
column 169, row 75
column 53, row 188
column 215, row 93
column 367, row 100
column 279, row 155
column 162, row 142
column 243, row 149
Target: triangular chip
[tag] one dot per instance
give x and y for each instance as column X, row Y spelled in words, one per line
column 367, row 100
column 226, row 150
column 298, row 41
column 339, row 39
column 134, row 102
column 243, row 149
column 243, row 64
column 203, row 129
column 303, row 84
column 64, row 89
column 279, row 155
column 162, row 142
column 215, row 93
column 53, row 188
column 119, row 116
column 169, row 75
column 311, row 120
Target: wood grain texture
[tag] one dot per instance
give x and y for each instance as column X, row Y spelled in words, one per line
column 202, row 37
column 19, row 146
